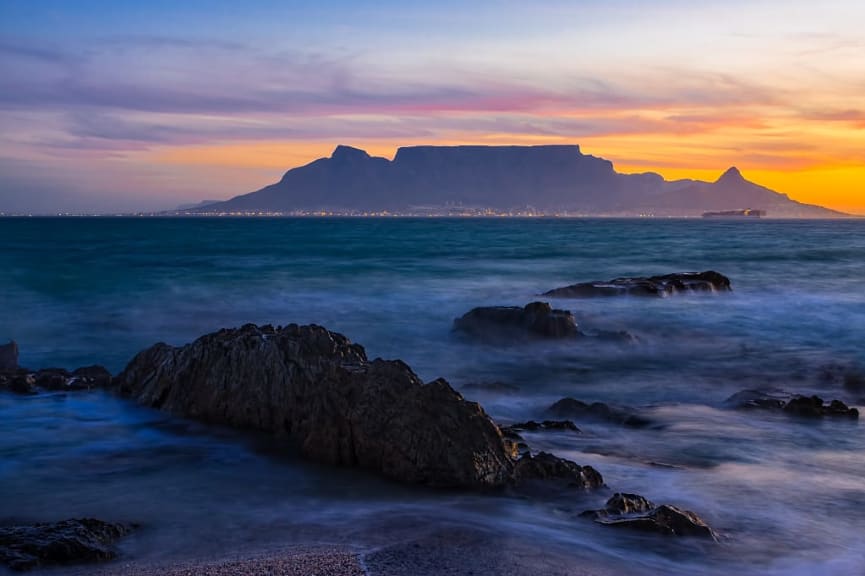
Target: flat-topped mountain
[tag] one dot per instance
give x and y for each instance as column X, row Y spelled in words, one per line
column 546, row 179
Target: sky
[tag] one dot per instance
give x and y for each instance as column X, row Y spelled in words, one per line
column 126, row 105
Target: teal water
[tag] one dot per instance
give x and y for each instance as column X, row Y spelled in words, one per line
column 788, row 496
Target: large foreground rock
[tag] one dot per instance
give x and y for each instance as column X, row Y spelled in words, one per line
column 67, row 542
column 659, row 286
column 535, row 320
column 637, row 513
column 318, row 388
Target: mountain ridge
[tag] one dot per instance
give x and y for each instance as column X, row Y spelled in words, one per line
column 546, row 179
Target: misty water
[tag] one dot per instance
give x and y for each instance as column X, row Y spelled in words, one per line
column 787, row 496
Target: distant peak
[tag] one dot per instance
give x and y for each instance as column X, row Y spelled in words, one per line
column 343, row 152
column 731, row 175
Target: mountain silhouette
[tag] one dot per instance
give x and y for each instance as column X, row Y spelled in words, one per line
column 547, row 179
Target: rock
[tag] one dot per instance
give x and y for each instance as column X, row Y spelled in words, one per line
column 802, row 406
column 535, row 320
column 637, row 513
column 52, row 379
column 662, row 286
column 90, row 377
column 9, row 356
column 577, row 409
column 546, row 468
column 319, row 389
column 532, row 426
column 19, row 382
column 813, row 407
column 70, row 541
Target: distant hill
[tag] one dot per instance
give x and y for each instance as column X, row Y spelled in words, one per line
column 546, row 179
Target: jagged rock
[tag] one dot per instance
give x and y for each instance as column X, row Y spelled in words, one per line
column 662, row 286
column 320, row 389
column 546, row 468
column 537, row 320
column 813, row 407
column 577, row 409
column 803, row 406
column 637, row 513
column 70, row 541
column 9, row 356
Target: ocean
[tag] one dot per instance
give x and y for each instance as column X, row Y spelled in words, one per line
column 787, row 496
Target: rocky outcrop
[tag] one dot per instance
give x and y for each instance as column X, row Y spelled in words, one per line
column 577, row 409
column 340, row 408
column 532, row 426
column 535, row 320
column 637, row 513
column 23, row 381
column 657, row 286
column 24, row 547
column 801, row 406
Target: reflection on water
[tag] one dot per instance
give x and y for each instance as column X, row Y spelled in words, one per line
column 786, row 495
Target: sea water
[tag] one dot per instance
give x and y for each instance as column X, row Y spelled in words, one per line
column 786, row 496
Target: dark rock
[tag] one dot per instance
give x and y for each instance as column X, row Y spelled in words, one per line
column 52, row 379
column 66, row 542
column 532, row 426
column 318, row 388
column 573, row 408
column 802, row 406
column 637, row 513
column 9, row 356
column 537, row 320
column 546, row 468
column 813, row 407
column 90, row 377
column 659, row 286
column 19, row 382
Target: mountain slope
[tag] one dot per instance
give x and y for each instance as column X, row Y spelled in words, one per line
column 545, row 178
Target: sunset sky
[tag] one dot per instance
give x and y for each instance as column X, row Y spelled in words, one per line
column 113, row 105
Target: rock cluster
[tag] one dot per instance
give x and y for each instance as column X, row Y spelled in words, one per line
column 802, row 406
column 577, row 409
column 637, row 513
column 24, row 547
column 23, row 381
column 658, row 286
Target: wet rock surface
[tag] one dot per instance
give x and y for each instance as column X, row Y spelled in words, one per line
column 503, row 323
column 577, row 409
column 23, row 381
column 799, row 406
column 24, row 547
column 549, row 469
column 635, row 512
column 656, row 286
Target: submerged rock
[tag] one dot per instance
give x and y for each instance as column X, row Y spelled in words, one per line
column 802, row 406
column 9, row 356
column 573, row 408
column 23, row 381
column 535, row 320
column 340, row 408
column 659, row 286
column 637, row 513
column 70, row 541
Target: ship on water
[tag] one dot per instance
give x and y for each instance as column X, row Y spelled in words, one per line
column 747, row 213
